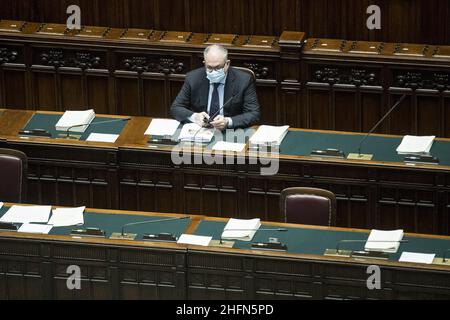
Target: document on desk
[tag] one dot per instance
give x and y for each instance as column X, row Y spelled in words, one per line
column 27, row 214
column 241, row 229
column 269, row 135
column 193, row 132
column 162, row 127
column 415, row 257
column 415, row 145
column 35, row 228
column 229, row 146
column 195, row 240
column 64, row 217
column 76, row 121
column 384, row 241
column 102, row 137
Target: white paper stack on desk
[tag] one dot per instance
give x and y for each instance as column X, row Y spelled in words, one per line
column 76, row 121
column 268, row 135
column 415, row 145
column 193, row 132
column 384, row 241
column 239, row 229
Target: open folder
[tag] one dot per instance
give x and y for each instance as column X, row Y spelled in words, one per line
column 192, row 132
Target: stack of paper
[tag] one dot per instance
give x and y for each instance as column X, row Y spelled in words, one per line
column 238, row 229
column 76, row 121
column 269, row 135
column 162, row 127
column 415, row 145
column 27, row 214
column 384, row 241
column 193, row 132
column 64, row 217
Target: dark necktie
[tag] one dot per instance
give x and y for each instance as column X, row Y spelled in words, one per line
column 215, row 102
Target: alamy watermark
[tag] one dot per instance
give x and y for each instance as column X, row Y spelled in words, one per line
column 374, row 280
column 74, row 20
column 74, row 280
column 374, row 20
column 267, row 156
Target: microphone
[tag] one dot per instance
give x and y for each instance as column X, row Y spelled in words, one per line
column 67, row 135
column 229, row 244
column 359, row 156
column 207, row 122
column 161, row 237
column 444, row 256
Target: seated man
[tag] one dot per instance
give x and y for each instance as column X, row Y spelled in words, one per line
column 206, row 90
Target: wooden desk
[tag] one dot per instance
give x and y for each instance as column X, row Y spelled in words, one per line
column 35, row 266
column 131, row 175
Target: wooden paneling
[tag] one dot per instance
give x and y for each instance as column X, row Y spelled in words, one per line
column 418, row 21
column 323, row 84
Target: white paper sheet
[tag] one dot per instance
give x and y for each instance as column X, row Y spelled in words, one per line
column 35, row 228
column 195, row 240
column 102, row 137
column 417, row 257
column 162, row 127
column 64, row 217
column 229, row 146
column 27, row 214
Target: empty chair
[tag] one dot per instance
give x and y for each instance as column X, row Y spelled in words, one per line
column 13, row 175
column 308, row 206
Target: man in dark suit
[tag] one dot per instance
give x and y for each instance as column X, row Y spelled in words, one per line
column 206, row 90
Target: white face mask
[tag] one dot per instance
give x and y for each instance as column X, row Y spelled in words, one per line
column 216, row 76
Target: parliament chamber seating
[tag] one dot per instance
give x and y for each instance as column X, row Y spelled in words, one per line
column 308, row 206
column 13, row 173
column 316, row 68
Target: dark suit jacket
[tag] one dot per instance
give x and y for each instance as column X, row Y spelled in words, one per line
column 193, row 97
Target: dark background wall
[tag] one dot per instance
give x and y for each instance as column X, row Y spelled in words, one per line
column 416, row 21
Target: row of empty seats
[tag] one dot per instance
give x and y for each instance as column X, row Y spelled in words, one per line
column 298, row 204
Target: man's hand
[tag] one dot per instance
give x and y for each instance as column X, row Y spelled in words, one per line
column 198, row 118
column 220, row 122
